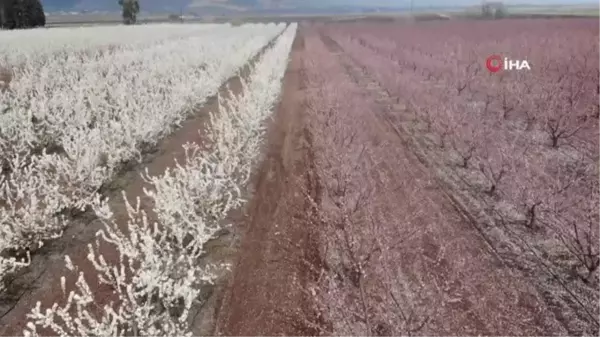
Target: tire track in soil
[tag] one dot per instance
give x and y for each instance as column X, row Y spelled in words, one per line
column 471, row 290
column 41, row 280
column 266, row 296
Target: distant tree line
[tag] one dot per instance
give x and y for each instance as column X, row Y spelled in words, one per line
column 17, row 14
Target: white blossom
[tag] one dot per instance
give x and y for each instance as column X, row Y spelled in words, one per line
column 158, row 276
column 81, row 102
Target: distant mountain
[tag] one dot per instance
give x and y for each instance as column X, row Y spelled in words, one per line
column 112, row 5
column 152, row 5
column 58, row 5
column 275, row 6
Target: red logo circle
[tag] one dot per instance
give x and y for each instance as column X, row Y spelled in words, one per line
column 494, row 63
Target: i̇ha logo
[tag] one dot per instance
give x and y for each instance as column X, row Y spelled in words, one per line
column 495, row 63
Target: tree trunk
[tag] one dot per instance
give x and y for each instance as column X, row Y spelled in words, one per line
column 591, row 269
column 555, row 141
column 531, row 215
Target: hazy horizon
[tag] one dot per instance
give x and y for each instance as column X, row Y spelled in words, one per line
column 267, row 5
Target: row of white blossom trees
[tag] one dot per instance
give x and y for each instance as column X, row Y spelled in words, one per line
column 70, row 121
column 158, row 275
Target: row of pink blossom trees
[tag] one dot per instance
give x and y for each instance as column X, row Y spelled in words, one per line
column 528, row 139
column 357, row 291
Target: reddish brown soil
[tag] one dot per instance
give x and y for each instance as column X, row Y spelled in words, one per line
column 266, row 295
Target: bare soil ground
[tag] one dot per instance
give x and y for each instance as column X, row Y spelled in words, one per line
column 41, row 280
column 443, row 270
column 266, row 295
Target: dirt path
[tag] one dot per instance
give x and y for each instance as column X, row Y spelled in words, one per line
column 41, row 281
column 266, row 295
column 447, row 270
